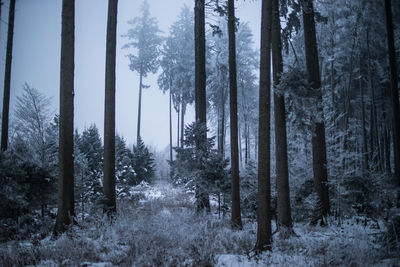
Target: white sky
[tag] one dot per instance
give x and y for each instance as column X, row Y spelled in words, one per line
column 36, row 60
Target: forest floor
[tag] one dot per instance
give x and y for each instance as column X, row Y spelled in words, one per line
column 159, row 227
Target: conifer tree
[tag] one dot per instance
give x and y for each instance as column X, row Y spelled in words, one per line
column 144, row 37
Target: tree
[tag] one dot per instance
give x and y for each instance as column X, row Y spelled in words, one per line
column 66, row 203
column 264, row 235
column 236, row 218
column 200, row 87
column 284, row 218
column 318, row 137
column 144, row 37
column 32, row 117
column 177, row 64
column 142, row 163
column 109, row 116
column 7, row 78
column 395, row 89
column 90, row 146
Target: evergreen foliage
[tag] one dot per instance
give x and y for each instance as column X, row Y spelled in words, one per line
column 199, row 164
column 142, row 164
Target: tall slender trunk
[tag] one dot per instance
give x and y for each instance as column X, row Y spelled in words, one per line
column 264, row 235
column 395, row 89
column 139, row 104
column 318, row 136
column 282, row 172
column 249, row 140
column 240, row 145
column 66, row 208
column 347, row 105
column 333, row 65
column 7, row 77
column 388, row 166
column 109, row 110
column 374, row 144
column 202, row 197
column 177, row 127
column 236, row 219
column 221, row 147
column 170, row 126
column 246, row 143
column 364, row 150
column 183, row 111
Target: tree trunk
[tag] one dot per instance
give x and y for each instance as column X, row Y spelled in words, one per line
column 264, row 235
column 66, row 203
column 139, row 105
column 318, row 137
column 364, row 150
column 109, row 115
column 170, row 127
column 200, row 62
column 282, row 173
column 221, row 142
column 183, row 121
column 236, row 219
column 240, row 145
column 7, row 77
column 374, row 144
column 177, row 127
column 203, row 201
column 388, row 166
column 395, row 89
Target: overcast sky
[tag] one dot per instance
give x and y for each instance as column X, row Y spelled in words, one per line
column 36, row 60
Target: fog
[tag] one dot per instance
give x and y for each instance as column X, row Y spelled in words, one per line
column 36, row 60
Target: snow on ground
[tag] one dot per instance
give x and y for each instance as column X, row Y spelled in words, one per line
column 161, row 228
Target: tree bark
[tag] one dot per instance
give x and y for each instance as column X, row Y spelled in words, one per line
column 318, row 138
column 139, row 105
column 7, row 77
column 395, row 89
column 236, row 219
column 183, row 108
column 200, row 62
column 365, row 166
column 109, row 110
column 203, row 201
column 177, row 126
column 374, row 143
column 282, row 173
column 170, row 127
column 264, row 235
column 66, row 203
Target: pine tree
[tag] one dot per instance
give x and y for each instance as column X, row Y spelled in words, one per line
column 144, row 37
column 142, row 163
